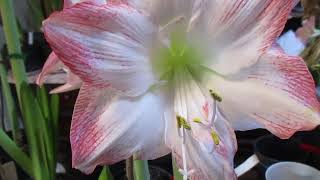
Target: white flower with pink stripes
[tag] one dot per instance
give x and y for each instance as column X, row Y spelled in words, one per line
column 161, row 76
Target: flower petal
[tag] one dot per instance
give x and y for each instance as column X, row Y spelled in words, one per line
column 69, row 3
column 277, row 93
column 194, row 105
column 240, row 31
column 107, row 128
column 52, row 65
column 163, row 12
column 214, row 165
column 73, row 82
column 105, row 45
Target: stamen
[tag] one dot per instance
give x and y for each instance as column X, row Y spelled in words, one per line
column 184, row 158
column 183, row 126
column 215, row 95
column 197, row 120
column 182, row 123
column 175, row 20
column 215, row 137
column 186, row 173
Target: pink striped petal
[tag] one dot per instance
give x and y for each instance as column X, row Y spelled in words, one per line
column 105, row 45
column 163, row 12
column 205, row 165
column 107, row 128
column 73, row 82
column 277, row 93
column 52, row 65
column 69, row 3
column 240, row 31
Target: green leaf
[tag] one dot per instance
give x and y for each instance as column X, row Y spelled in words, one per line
column 50, row 111
column 141, row 170
column 42, row 98
column 177, row 175
column 9, row 103
column 12, row 38
column 105, row 174
column 54, row 104
column 37, row 133
column 16, row 153
column 38, row 15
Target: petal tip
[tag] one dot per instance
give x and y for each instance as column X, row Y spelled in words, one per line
column 40, row 79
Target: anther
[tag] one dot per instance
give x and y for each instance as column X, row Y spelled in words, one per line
column 183, row 123
column 197, row 120
column 215, row 137
column 215, row 95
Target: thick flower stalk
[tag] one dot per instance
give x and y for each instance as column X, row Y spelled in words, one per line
column 161, row 76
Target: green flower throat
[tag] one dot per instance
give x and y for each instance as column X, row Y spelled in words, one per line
column 179, row 56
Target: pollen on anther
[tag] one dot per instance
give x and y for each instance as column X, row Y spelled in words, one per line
column 215, row 137
column 197, row 120
column 183, row 123
column 215, row 95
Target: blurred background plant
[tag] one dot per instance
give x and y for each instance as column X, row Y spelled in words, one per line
column 41, row 9
column 38, row 111
column 311, row 53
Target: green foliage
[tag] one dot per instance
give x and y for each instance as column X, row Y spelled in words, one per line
column 40, row 130
column 9, row 103
column 14, row 151
column 41, row 9
column 141, row 170
column 105, row 174
column 177, row 175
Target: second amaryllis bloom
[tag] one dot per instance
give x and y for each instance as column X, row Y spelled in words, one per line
column 161, row 76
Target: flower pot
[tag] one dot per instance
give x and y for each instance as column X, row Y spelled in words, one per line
column 292, row 171
column 270, row 150
column 309, row 142
column 4, row 158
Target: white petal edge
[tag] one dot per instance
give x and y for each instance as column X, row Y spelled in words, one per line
column 277, row 93
column 107, row 128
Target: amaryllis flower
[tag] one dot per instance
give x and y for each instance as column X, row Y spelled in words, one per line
column 179, row 76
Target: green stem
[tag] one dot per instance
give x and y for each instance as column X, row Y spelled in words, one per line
column 34, row 125
column 177, row 175
column 105, row 174
column 47, row 130
column 34, row 121
column 12, row 38
column 13, row 150
column 9, row 103
column 141, row 170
